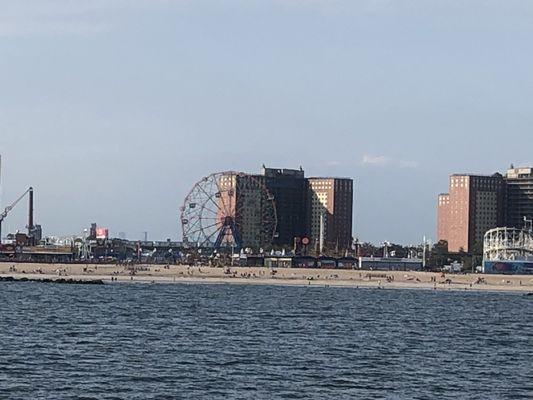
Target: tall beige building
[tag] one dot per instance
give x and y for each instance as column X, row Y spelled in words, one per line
column 330, row 210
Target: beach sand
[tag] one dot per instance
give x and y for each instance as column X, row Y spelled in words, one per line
column 277, row 276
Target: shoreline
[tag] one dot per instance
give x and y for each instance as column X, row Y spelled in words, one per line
column 183, row 274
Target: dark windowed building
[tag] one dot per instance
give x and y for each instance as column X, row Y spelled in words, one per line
column 289, row 188
column 519, row 196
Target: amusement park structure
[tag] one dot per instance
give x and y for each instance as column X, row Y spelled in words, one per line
column 508, row 244
column 229, row 210
column 509, row 250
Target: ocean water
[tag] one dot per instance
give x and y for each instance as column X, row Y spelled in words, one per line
column 141, row 341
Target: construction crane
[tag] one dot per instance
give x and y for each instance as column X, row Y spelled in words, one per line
column 10, row 207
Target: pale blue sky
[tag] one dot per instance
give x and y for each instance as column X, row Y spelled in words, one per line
column 112, row 109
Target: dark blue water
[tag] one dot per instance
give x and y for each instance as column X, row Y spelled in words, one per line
column 260, row 342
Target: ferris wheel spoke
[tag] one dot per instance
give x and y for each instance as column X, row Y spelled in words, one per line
column 212, row 225
column 211, row 211
column 231, row 206
column 203, row 228
column 214, row 187
column 195, row 219
column 222, row 198
column 213, row 233
column 200, row 232
column 208, row 238
column 190, row 227
column 210, row 198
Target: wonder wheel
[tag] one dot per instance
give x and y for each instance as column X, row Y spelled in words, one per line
column 229, row 209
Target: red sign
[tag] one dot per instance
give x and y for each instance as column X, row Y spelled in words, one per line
column 305, row 241
column 102, row 233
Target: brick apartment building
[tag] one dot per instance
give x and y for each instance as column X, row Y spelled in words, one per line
column 474, row 204
column 443, row 216
column 477, row 203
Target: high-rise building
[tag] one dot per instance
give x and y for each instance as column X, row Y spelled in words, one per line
column 519, row 196
column 443, row 216
column 474, row 205
column 330, row 210
column 318, row 208
column 289, row 188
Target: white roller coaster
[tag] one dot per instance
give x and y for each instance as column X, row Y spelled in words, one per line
column 508, row 244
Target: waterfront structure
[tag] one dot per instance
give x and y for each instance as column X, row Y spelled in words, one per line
column 289, row 188
column 325, row 262
column 330, row 211
column 390, row 264
column 474, row 205
column 519, row 196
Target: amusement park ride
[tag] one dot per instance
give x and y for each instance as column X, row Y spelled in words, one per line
column 229, row 210
column 509, row 243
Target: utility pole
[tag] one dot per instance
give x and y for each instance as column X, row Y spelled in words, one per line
column 386, row 249
column 356, row 247
column 528, row 224
column 1, row 187
column 1, row 192
column 321, row 241
column 31, row 227
column 424, row 253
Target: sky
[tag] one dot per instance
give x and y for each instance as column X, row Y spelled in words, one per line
column 113, row 109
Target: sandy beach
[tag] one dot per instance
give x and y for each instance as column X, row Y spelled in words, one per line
column 279, row 276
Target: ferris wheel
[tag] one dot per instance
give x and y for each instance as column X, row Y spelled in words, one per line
column 229, row 209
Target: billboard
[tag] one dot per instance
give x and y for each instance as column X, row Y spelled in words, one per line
column 508, row 267
column 102, row 233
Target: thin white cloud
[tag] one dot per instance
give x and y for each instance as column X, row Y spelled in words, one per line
column 62, row 17
column 333, row 163
column 369, row 159
column 408, row 164
column 385, row 161
column 28, row 28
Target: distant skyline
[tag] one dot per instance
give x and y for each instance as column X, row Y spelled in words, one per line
column 113, row 109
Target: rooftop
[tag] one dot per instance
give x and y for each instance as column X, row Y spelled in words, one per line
column 271, row 172
column 330, row 177
column 497, row 174
column 522, row 172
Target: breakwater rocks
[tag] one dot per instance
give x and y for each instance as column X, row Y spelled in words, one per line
column 48, row 280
